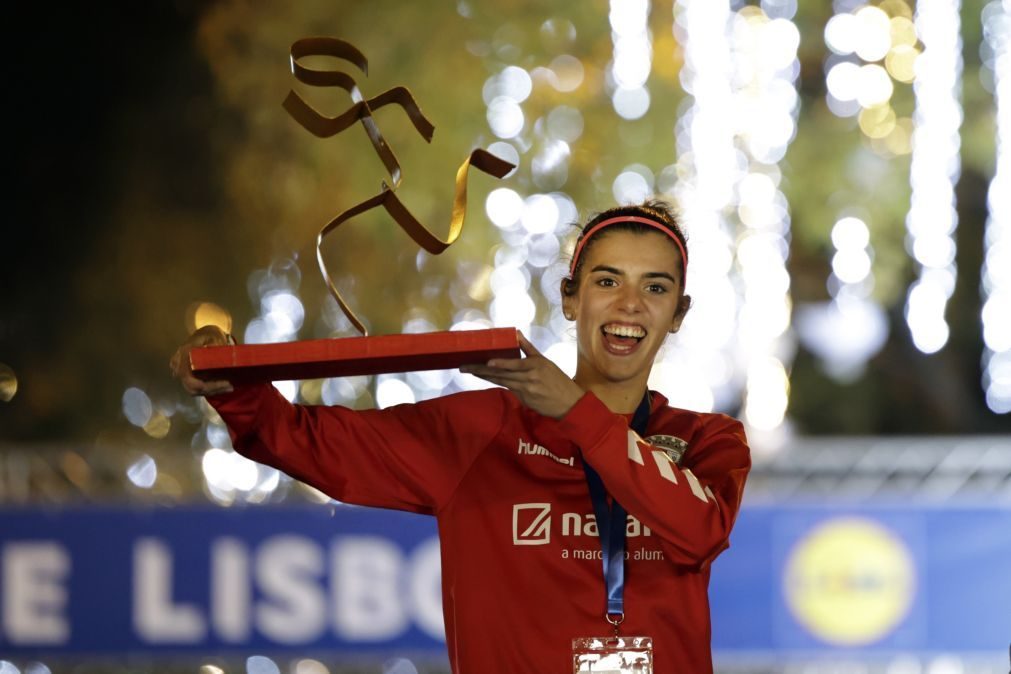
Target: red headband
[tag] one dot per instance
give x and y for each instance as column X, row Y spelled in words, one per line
column 631, row 218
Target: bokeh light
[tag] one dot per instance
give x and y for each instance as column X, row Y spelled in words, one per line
column 137, row 406
column 289, row 389
column 505, row 117
column 767, row 394
column 143, row 472
column 309, row 666
column 631, row 187
column 540, row 214
column 843, row 81
column 933, row 172
column 741, row 70
column 847, row 331
column 841, row 33
column 874, row 86
column 399, row 666
column 878, row 121
column 504, row 207
column 392, row 390
column 901, row 62
column 631, row 103
column 873, row 36
column 512, row 82
column 8, row 383
column 261, row 664
column 200, row 314
column 565, row 123
column 860, row 37
column 996, row 271
column 159, row 425
column 231, row 477
column 568, row 72
column 633, row 55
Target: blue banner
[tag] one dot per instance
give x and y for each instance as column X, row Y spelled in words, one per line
column 869, row 580
column 796, row 580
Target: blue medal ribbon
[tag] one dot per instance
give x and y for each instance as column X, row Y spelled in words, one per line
column 611, row 524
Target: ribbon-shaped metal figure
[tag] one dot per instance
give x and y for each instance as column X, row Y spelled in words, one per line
column 361, row 111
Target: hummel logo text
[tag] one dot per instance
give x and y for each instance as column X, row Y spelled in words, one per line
column 537, row 450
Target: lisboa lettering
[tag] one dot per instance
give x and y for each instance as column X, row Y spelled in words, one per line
column 288, row 589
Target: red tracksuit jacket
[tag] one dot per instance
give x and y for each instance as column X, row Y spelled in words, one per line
column 521, row 569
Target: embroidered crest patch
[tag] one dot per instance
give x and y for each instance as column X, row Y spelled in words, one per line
column 673, row 446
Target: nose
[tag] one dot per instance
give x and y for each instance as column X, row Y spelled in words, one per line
column 630, row 299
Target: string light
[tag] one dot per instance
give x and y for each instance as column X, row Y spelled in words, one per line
column 633, row 55
column 996, row 273
column 708, row 167
column 847, row 331
column 740, row 69
column 869, row 49
column 933, row 172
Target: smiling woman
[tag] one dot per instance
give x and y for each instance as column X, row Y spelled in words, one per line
column 626, row 292
column 508, row 471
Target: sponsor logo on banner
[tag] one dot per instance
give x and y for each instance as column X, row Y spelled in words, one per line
column 850, row 581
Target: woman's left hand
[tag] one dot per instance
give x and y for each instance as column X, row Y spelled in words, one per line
column 536, row 381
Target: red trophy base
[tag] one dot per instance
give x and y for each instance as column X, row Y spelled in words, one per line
column 350, row 356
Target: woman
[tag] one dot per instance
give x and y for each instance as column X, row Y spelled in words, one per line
column 521, row 477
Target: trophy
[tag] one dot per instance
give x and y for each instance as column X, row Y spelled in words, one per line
column 366, row 354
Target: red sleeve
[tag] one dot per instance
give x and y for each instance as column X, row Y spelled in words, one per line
column 408, row 457
column 691, row 507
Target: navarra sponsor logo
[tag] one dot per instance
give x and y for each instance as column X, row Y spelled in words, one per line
column 533, row 449
column 532, row 525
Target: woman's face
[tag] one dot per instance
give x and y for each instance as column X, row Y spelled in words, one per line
column 628, row 299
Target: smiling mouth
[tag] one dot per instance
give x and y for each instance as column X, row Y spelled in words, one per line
column 622, row 339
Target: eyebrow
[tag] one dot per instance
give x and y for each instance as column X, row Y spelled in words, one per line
column 649, row 274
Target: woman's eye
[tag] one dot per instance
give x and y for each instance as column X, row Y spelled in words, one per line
column 607, row 282
column 656, row 288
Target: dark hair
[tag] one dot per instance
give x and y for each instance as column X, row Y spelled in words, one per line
column 656, row 210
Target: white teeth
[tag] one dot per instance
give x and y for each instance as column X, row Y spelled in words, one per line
column 625, row 331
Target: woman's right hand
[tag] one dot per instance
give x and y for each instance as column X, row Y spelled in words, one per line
column 209, row 335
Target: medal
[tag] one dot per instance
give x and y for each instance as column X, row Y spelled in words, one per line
column 615, row 654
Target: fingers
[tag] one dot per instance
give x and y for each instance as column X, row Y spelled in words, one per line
column 490, row 373
column 511, row 364
column 213, row 388
column 499, row 368
column 180, row 362
column 209, row 335
column 536, row 381
column 529, row 363
column 199, row 387
column 526, row 346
